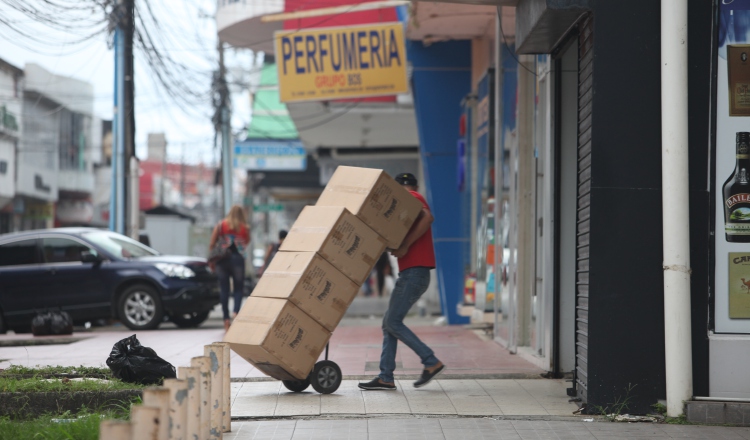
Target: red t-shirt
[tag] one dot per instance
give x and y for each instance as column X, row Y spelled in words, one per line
column 240, row 238
column 421, row 253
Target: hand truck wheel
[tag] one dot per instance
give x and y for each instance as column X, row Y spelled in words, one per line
column 297, row 386
column 325, row 377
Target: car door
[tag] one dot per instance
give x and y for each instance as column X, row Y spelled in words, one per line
column 21, row 281
column 75, row 287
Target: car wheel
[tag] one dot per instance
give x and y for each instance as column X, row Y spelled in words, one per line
column 140, row 308
column 189, row 320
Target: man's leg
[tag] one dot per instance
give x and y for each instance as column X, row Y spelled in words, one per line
column 410, row 286
column 388, row 355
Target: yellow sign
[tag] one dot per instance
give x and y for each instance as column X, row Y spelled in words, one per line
column 341, row 62
column 40, row 210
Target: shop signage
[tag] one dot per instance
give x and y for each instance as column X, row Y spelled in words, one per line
column 7, row 120
column 341, row 62
column 270, row 156
column 269, row 207
column 39, row 210
column 732, row 170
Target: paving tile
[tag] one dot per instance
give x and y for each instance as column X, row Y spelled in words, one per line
column 298, row 404
column 469, row 398
column 385, row 402
column 428, row 400
column 346, row 400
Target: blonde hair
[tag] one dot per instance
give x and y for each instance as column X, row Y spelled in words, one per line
column 236, row 218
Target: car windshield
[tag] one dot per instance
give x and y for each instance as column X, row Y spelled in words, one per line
column 119, row 245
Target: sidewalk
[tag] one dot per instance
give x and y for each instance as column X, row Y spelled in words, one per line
column 444, row 428
column 485, row 392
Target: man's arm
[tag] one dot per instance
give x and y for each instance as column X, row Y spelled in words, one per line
column 422, row 225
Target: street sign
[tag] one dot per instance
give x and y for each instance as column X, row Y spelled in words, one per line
column 270, row 156
column 341, row 62
column 268, row 207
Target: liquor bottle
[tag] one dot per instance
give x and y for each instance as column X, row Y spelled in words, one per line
column 736, row 194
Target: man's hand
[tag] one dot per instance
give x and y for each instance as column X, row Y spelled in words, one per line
column 400, row 252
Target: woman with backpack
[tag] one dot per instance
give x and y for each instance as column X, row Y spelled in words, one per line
column 228, row 242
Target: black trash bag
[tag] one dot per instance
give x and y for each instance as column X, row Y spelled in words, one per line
column 61, row 323
column 54, row 322
column 131, row 362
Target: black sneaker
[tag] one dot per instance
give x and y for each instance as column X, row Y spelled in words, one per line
column 376, row 384
column 427, row 376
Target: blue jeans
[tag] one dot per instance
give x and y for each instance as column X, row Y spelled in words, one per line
column 410, row 285
column 231, row 267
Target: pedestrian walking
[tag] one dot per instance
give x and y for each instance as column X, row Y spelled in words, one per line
column 382, row 270
column 416, row 257
column 231, row 236
column 271, row 251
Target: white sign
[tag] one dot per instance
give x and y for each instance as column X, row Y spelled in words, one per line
column 270, row 156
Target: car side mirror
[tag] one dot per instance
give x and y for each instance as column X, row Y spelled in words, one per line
column 90, row 257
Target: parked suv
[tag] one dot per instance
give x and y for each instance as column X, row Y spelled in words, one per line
column 94, row 274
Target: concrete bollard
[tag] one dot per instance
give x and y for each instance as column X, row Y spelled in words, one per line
column 115, row 430
column 144, row 422
column 204, row 364
column 192, row 376
column 178, row 400
column 216, row 354
column 159, row 397
column 227, row 382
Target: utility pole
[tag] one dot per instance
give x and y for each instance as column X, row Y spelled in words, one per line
column 221, row 125
column 130, row 176
column 116, row 214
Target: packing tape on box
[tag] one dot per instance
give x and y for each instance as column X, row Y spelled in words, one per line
column 310, row 229
column 368, row 259
column 348, row 189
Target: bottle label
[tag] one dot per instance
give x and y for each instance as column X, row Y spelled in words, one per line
column 738, row 214
column 737, row 228
column 738, row 198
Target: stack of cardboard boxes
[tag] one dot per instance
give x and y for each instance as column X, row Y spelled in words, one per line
column 327, row 255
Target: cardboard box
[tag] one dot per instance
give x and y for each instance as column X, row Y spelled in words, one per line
column 311, row 283
column 375, row 198
column 277, row 337
column 339, row 237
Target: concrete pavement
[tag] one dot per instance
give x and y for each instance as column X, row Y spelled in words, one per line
column 455, row 428
column 484, row 393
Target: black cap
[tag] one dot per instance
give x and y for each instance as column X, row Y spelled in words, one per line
column 406, row 179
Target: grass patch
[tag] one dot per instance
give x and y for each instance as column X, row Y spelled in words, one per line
column 19, row 379
column 18, row 370
column 56, row 385
column 81, row 426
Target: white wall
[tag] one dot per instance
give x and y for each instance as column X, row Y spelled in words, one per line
column 74, row 94
column 169, row 234
column 729, row 356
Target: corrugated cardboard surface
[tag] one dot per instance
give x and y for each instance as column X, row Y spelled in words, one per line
column 277, row 337
column 311, row 283
column 339, row 237
column 375, row 198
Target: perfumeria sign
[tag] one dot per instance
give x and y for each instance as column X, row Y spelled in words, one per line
column 341, row 62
